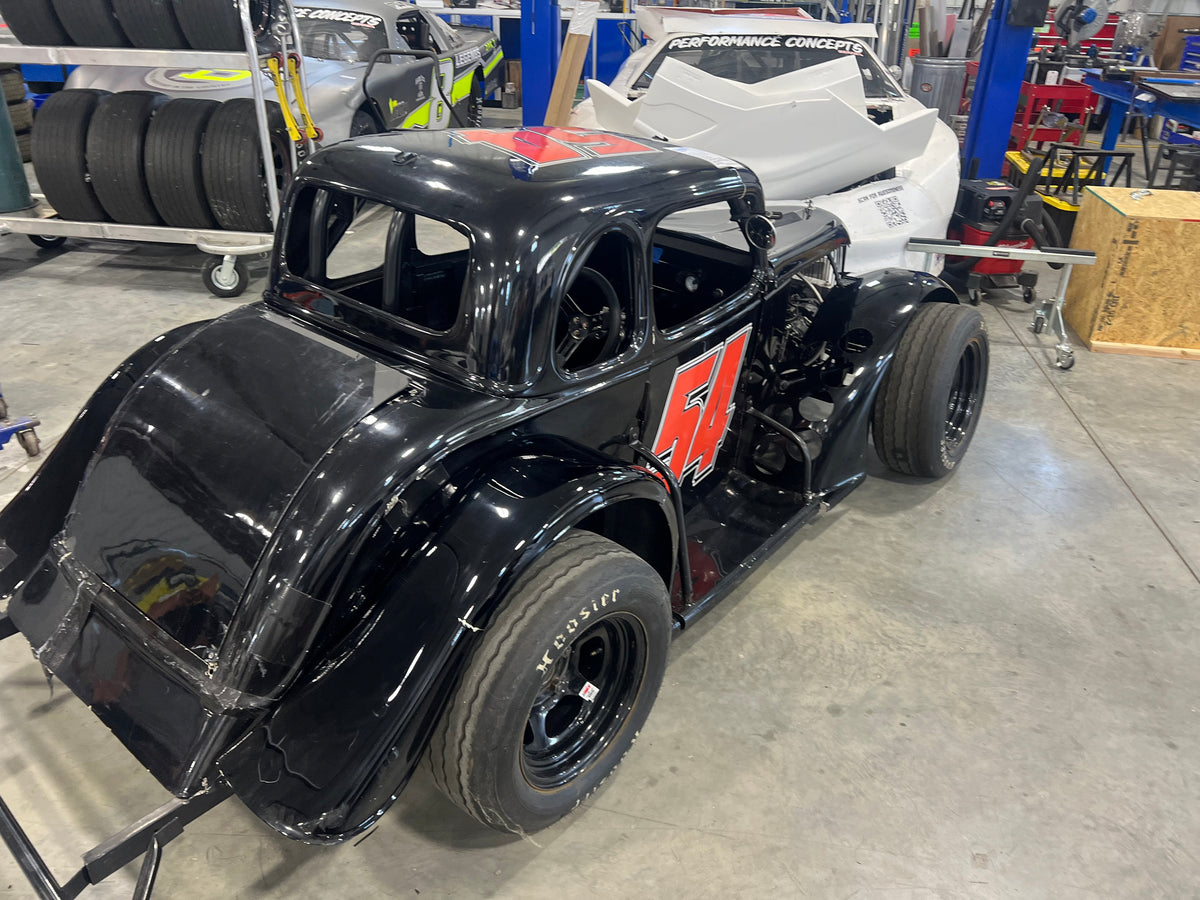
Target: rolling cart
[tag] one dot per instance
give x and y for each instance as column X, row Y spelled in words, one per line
column 22, row 429
column 225, row 274
column 1050, row 310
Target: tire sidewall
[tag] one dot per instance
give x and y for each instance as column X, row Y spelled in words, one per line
column 634, row 595
column 968, row 327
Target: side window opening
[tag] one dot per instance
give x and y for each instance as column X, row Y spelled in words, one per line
column 596, row 315
column 385, row 260
column 693, row 274
column 414, row 30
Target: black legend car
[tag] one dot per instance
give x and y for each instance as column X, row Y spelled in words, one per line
column 518, row 405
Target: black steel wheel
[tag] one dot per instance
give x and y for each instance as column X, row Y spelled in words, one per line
column 60, row 154
column 929, row 402
column 91, row 23
column 116, row 153
column 34, row 22
column 562, row 678
column 221, row 283
column 48, row 241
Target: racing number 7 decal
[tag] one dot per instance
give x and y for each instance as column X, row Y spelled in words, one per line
column 699, row 408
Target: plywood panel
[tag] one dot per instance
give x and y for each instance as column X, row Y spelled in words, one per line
column 1145, row 288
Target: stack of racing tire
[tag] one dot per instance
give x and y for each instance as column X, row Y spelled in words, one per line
column 149, row 24
column 139, row 157
column 20, row 110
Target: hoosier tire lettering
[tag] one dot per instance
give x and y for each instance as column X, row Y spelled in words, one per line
column 585, row 613
column 557, row 688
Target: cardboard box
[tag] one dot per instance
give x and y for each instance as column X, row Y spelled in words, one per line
column 1143, row 294
column 1168, row 46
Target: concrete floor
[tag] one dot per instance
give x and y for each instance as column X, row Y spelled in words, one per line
column 983, row 687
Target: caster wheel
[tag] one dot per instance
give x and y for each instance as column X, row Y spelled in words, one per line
column 48, row 242
column 1028, row 295
column 3, row 409
column 29, row 442
column 232, row 284
column 1039, row 325
column 1066, row 361
column 975, row 296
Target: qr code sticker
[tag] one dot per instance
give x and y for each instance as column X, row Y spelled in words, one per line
column 893, row 211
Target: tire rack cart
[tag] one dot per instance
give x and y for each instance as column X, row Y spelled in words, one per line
column 1050, row 309
column 224, row 275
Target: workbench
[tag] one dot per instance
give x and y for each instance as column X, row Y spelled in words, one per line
column 1126, row 96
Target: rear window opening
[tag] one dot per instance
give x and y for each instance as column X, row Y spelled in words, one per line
column 386, row 261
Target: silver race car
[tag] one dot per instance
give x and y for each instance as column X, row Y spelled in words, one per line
column 339, row 39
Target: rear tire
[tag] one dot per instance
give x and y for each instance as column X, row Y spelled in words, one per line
column 931, row 397
column 150, row 24
column 557, row 688
column 34, row 22
column 60, row 154
column 91, row 23
column 233, row 168
column 474, row 115
column 174, row 173
column 116, row 152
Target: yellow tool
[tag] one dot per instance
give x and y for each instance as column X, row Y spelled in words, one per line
column 310, row 130
column 274, row 66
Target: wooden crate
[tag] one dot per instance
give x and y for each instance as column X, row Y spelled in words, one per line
column 1143, row 294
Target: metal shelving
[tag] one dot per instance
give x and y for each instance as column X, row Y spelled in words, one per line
column 283, row 32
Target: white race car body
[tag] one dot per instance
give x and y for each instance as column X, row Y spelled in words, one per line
column 805, row 104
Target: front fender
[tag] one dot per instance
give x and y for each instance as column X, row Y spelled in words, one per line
column 36, row 514
column 343, row 742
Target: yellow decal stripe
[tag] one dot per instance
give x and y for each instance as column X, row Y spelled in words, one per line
column 487, row 69
column 418, row 118
column 461, row 89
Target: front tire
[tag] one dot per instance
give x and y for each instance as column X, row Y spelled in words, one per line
column 930, row 400
column 555, row 693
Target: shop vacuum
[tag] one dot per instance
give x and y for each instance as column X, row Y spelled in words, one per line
column 990, row 212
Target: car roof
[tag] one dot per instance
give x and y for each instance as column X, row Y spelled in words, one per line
column 498, row 181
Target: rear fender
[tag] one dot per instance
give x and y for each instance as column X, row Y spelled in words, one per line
column 345, row 739
column 37, row 513
column 869, row 326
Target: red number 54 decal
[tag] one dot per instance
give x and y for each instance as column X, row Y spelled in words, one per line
column 699, row 407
